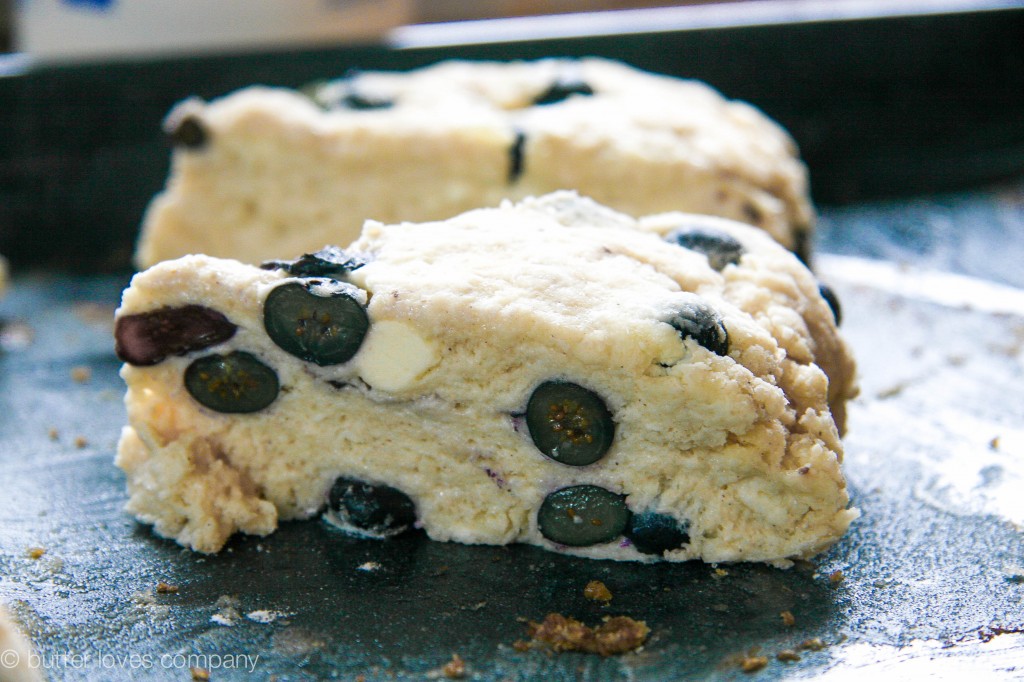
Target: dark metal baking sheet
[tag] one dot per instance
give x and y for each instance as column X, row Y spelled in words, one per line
column 932, row 573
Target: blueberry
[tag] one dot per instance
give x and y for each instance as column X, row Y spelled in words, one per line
column 317, row 321
column 515, row 152
column 361, row 102
column 562, row 89
column 189, row 132
column 377, row 510
column 701, row 323
column 582, row 515
column 147, row 338
column 569, row 423
column 328, row 262
column 235, row 383
column 720, row 247
column 833, row 302
column 653, row 533
column 343, row 93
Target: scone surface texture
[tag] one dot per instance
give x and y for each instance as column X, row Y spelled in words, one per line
column 549, row 372
column 270, row 171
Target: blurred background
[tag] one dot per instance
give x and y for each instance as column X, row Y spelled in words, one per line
column 100, row 28
column 886, row 98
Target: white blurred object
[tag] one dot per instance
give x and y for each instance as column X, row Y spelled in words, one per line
column 18, row 663
column 64, row 30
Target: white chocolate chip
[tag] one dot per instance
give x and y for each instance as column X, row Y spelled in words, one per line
column 394, row 355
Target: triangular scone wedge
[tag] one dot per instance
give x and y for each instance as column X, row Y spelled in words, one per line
column 549, row 372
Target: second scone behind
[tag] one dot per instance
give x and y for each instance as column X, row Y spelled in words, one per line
column 264, row 172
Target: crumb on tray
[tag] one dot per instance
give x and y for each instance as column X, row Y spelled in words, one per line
column 751, row 664
column 81, row 374
column 616, row 635
column 455, row 669
column 812, row 644
column 597, row 591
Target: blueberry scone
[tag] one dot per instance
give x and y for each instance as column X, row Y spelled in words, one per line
column 549, row 372
column 264, row 172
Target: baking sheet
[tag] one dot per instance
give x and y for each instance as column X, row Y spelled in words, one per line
column 930, row 580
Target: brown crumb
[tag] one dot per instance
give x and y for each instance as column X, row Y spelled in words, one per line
column 720, row 573
column 597, row 591
column 360, row 678
column 812, row 644
column 200, row 673
column 81, row 374
column 521, row 645
column 787, row 656
column 994, row 443
column 53, row 433
column 836, row 577
column 890, row 392
column 989, row 632
column 36, row 552
column 787, row 618
column 751, row 664
column 614, row 636
column 455, row 669
column 81, row 442
column 164, row 588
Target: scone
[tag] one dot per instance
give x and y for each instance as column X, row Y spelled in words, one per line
column 264, row 172
column 550, row 372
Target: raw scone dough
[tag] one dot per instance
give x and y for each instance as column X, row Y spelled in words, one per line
column 264, row 172
column 730, row 446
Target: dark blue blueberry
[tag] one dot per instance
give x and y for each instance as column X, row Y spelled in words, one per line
column 833, row 302
column 316, row 321
column 653, row 533
column 361, row 102
column 569, row 423
column 720, row 247
column 378, row 510
column 515, row 152
column 236, row 383
column 701, row 323
column 562, row 89
column 188, row 132
column 343, row 93
column 583, row 515
column 328, row 262
column 147, row 338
